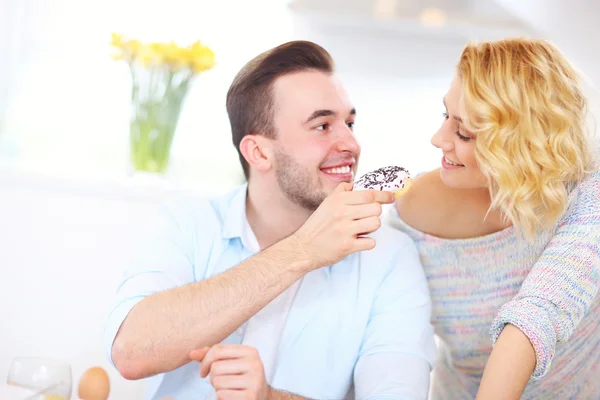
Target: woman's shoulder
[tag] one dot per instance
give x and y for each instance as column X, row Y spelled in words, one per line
column 426, row 204
column 433, row 208
column 584, row 196
column 424, row 185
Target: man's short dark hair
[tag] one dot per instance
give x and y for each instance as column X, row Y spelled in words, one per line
column 250, row 97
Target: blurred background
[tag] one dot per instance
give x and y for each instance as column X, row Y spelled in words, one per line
column 71, row 202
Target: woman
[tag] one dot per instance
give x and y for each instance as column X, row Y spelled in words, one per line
column 509, row 229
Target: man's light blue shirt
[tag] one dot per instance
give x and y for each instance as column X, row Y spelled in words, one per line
column 357, row 329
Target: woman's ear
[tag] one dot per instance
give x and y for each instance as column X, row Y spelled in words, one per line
column 256, row 150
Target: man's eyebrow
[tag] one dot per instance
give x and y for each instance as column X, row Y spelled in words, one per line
column 326, row 113
column 320, row 113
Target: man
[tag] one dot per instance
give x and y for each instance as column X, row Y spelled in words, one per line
column 287, row 287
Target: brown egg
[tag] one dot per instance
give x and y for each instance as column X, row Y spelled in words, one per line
column 94, row 385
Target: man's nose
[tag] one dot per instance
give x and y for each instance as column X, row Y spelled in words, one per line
column 347, row 142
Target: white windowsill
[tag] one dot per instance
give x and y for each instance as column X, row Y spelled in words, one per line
column 138, row 187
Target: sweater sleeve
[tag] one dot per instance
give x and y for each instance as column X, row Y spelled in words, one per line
column 563, row 283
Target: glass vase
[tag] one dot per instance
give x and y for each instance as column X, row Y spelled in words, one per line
column 157, row 99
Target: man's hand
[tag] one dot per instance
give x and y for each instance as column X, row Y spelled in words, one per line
column 336, row 228
column 236, row 371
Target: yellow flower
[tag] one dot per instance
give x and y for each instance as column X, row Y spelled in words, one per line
column 203, row 63
column 196, row 57
column 116, row 40
column 173, row 56
column 171, row 52
column 133, row 47
column 117, row 43
column 145, row 56
column 201, row 58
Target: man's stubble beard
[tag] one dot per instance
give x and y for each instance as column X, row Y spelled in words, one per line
column 297, row 183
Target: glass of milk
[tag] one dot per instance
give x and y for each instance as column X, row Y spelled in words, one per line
column 51, row 379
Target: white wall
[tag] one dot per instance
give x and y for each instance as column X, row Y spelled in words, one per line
column 61, row 250
column 63, row 245
column 573, row 27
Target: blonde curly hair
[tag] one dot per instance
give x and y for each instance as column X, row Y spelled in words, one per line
column 522, row 99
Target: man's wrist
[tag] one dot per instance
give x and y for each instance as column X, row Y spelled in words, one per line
column 271, row 393
column 300, row 259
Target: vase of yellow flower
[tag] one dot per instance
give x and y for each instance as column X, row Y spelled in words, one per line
column 161, row 75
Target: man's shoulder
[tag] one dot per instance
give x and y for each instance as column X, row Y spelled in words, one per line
column 390, row 241
column 194, row 206
column 394, row 252
column 195, row 213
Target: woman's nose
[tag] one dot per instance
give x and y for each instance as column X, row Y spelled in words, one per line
column 441, row 140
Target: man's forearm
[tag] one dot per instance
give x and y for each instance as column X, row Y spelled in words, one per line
column 160, row 331
column 278, row 395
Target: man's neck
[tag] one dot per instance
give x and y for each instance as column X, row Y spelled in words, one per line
column 271, row 215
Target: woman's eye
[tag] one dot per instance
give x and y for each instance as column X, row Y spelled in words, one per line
column 462, row 137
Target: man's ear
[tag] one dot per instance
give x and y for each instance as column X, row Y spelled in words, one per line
column 257, row 150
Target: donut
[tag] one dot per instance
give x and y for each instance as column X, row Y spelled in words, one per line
column 392, row 178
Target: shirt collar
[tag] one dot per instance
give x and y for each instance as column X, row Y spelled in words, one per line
column 235, row 218
column 235, row 214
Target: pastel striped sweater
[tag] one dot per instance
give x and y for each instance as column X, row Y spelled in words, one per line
column 547, row 288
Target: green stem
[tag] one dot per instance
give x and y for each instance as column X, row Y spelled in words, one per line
column 155, row 121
